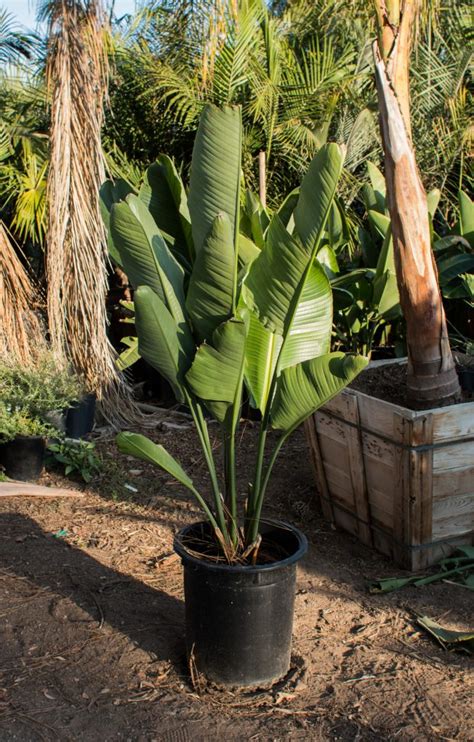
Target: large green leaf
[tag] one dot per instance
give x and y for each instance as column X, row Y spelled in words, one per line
column 274, row 276
column 466, row 208
column 146, row 258
column 130, row 355
column 302, row 389
column 248, row 250
column 212, row 286
column 112, row 192
column 309, row 334
column 261, row 354
column 377, row 180
column 163, row 194
column 381, row 222
column 134, row 444
column 317, row 192
column 217, row 371
column 432, row 200
column 215, row 171
column 386, row 297
column 285, row 212
column 453, row 266
column 160, row 341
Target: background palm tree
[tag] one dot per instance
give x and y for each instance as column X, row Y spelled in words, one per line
column 76, row 256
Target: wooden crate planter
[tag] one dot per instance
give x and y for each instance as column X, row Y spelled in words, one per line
column 400, row 480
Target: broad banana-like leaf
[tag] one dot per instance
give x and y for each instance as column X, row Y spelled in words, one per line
column 386, row 297
column 261, row 354
column 258, row 219
column 448, row 243
column 160, row 341
column 163, row 194
column 386, row 259
column 111, row 192
column 466, row 208
column 432, row 200
column 215, row 171
column 369, row 246
column 461, row 288
column 381, row 222
column 134, row 444
column 309, row 333
column 285, row 212
column 274, row 277
column 217, row 371
column 377, row 180
column 317, row 192
column 327, row 258
column 146, row 258
column 334, row 226
column 130, row 355
column 302, row 389
column 212, row 286
column 453, row 266
column 248, row 251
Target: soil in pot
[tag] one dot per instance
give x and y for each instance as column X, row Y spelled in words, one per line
column 239, row 618
column 388, row 382
column 23, row 457
column 80, row 417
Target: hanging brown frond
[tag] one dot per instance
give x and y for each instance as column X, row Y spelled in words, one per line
column 20, row 301
column 76, row 263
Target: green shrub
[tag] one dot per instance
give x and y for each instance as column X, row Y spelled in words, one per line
column 39, row 389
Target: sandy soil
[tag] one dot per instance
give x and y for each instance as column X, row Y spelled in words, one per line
column 91, row 623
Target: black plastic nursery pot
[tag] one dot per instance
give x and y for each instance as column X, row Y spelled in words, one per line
column 239, row 619
column 466, row 379
column 23, row 457
column 80, row 417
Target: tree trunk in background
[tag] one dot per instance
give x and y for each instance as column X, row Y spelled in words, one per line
column 21, row 331
column 76, row 256
column 432, row 378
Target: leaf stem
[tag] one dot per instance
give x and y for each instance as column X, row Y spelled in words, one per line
column 203, row 433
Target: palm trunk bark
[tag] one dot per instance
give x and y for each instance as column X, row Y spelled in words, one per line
column 432, row 378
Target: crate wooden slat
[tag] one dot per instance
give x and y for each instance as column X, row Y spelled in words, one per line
column 398, row 479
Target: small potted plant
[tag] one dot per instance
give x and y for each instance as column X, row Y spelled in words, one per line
column 33, row 399
column 22, row 443
column 217, row 316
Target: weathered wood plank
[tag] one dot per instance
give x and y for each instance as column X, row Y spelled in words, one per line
column 401, row 503
column 453, row 423
column 456, row 456
column 26, row 489
column 421, row 481
column 318, row 466
column 453, row 482
column 357, row 470
column 447, row 507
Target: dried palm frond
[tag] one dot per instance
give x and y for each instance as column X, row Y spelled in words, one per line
column 20, row 303
column 76, row 258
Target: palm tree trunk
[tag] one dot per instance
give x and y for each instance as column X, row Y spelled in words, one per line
column 76, row 255
column 432, row 379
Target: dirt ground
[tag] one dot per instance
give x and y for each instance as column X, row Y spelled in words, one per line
column 91, row 622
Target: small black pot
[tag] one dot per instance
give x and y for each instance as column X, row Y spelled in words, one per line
column 239, row 619
column 80, row 417
column 23, row 457
column 466, row 379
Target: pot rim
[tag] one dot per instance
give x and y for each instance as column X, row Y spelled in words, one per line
column 181, row 550
column 21, row 438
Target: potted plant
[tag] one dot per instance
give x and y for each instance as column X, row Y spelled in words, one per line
column 236, row 316
column 400, row 476
column 33, row 399
column 22, row 443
